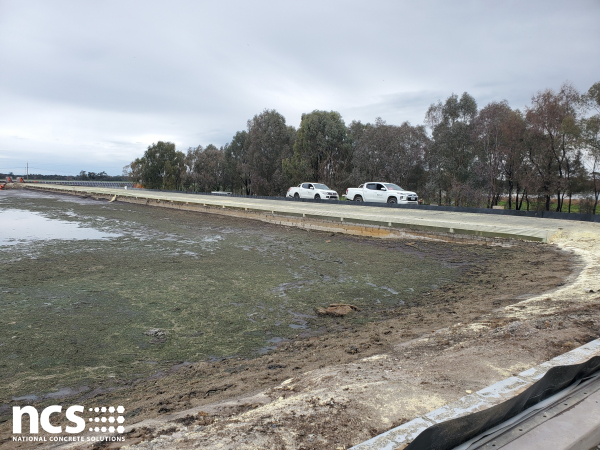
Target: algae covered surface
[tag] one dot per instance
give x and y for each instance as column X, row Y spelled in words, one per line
column 157, row 287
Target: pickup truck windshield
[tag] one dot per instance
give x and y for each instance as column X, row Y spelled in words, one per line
column 393, row 187
column 320, row 186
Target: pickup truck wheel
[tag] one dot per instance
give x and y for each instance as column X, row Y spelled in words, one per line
column 392, row 200
column 358, row 198
column 296, row 195
column 317, row 197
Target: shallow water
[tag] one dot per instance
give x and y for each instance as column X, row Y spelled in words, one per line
column 22, row 226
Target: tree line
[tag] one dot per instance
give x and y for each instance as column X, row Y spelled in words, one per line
column 542, row 157
column 83, row 176
column 99, row 176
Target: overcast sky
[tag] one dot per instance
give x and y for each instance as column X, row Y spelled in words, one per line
column 89, row 85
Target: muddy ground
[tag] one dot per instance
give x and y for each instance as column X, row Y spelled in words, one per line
column 171, row 286
column 345, row 379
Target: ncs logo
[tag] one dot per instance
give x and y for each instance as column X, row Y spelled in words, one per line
column 106, row 419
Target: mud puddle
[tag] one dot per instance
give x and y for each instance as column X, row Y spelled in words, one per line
column 25, row 227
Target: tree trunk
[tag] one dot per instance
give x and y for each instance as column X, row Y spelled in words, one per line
column 596, row 194
column 559, row 201
column 518, row 206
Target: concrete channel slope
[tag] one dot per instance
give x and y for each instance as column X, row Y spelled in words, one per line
column 578, row 429
column 414, row 220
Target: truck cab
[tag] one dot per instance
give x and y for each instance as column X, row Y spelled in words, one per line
column 381, row 192
column 315, row 191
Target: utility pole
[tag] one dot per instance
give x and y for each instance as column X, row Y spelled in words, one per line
column 27, row 171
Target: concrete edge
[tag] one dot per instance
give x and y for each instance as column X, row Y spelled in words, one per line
column 482, row 231
column 483, row 399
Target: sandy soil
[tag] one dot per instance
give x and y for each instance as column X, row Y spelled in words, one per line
column 335, row 390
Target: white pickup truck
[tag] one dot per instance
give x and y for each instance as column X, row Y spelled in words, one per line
column 381, row 193
column 312, row 190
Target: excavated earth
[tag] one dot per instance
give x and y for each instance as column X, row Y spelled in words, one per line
column 347, row 378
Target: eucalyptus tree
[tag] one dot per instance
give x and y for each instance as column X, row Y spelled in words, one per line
column 322, row 151
column 499, row 134
column 209, row 169
column 592, row 97
column 390, row 152
column 190, row 178
column 451, row 154
column 516, row 169
column 554, row 132
column 237, row 167
column 591, row 140
column 269, row 141
column 592, row 132
column 576, row 178
column 161, row 167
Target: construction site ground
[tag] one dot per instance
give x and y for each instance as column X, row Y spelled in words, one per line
column 523, row 305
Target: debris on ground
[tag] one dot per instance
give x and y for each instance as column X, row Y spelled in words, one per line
column 337, row 310
column 155, row 332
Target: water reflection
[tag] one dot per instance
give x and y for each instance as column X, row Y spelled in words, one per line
column 20, row 226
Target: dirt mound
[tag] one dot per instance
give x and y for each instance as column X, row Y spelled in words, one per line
column 337, row 310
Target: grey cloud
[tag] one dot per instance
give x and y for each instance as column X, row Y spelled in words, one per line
column 118, row 75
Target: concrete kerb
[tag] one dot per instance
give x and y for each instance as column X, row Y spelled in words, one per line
column 495, row 394
column 374, row 222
